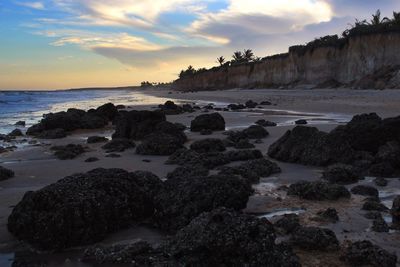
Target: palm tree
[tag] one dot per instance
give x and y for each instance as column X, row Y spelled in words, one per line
column 221, row 60
column 237, row 56
column 376, row 18
column 248, row 55
column 190, row 70
column 396, row 18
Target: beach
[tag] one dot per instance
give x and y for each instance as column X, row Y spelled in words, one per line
column 35, row 166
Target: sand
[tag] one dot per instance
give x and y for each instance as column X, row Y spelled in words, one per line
column 36, row 167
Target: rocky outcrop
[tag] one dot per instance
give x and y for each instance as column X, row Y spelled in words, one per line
column 366, row 61
column 213, row 122
column 5, row 173
column 318, row 191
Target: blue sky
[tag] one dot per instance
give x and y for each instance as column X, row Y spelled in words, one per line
column 50, row 44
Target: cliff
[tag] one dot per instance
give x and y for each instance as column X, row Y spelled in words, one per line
column 366, row 61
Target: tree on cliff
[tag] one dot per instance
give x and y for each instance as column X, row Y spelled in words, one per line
column 237, row 56
column 248, row 55
column 221, row 60
column 188, row 72
column 376, row 18
column 396, row 19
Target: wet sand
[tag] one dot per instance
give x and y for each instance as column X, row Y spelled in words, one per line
column 36, row 167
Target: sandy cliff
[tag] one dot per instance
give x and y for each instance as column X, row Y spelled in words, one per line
column 368, row 61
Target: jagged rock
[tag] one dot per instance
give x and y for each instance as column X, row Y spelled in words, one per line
column 318, row 191
column 330, row 215
column 341, row 174
column 314, row 238
column 381, row 181
column 52, row 134
column 96, row 139
column 379, row 225
column 159, row 144
column 300, row 122
column 395, row 211
column 251, row 104
column 91, row 159
column 173, row 129
column 288, row 223
column 255, row 132
column 137, row 124
column 83, row 208
column 188, row 171
column 20, row 123
column 108, row 111
column 374, row 205
column 362, row 253
column 213, row 122
column 243, row 144
column 265, row 123
column 182, row 199
column 226, row 238
column 5, row 173
column 208, row 145
column 69, row 151
column 365, row 190
column 15, row 133
column 252, row 170
column 118, row 145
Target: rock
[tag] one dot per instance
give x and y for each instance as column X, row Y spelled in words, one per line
column 300, row 122
column 236, row 106
column 159, row 144
column 395, row 211
column 225, row 238
column 20, row 123
column 208, row 145
column 83, row 208
column 69, row 151
column 374, row 205
column 379, row 225
column 341, row 174
column 5, row 173
column 96, row 139
column 244, row 144
column 252, row 170
column 113, row 155
column 365, row 190
column 372, row 215
column 380, row 181
column 137, row 124
column 390, row 153
column 265, row 103
column 182, row 199
column 318, row 191
column 329, row 215
column 173, row 129
column 120, row 107
column 314, row 238
column 255, row 132
column 170, row 108
column 185, row 157
column 213, row 122
column 251, row 104
column 91, row 159
column 265, row 123
column 108, row 111
column 206, row 132
column 383, row 169
column 52, row 134
column 118, row 145
column 362, row 253
column 288, row 223
column 183, row 172
column 15, row 133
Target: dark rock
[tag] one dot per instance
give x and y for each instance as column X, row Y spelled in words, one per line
column 159, row 144
column 206, row 132
column 226, row 238
column 5, row 173
column 69, row 151
column 318, row 191
column 288, row 223
column 255, row 132
column 244, row 144
column 208, row 145
column 372, row 215
column 389, row 153
column 213, row 122
column 300, row 122
column 383, row 169
column 341, row 174
column 265, row 103
column 15, row 133
column 113, row 155
column 330, row 215
column 362, row 253
column 379, row 225
column 137, row 124
column 96, row 139
column 170, row 108
column 241, row 155
column 314, row 238
column 395, row 211
column 120, row 107
column 91, row 159
column 108, row 111
column 83, row 208
column 182, row 199
column 374, row 205
column 118, row 145
column 251, row 104
column 265, row 123
column 185, row 157
column 173, row 129
column 381, row 181
column 365, row 190
column 52, row 134
column 183, row 172
column 236, row 106
column 20, row 123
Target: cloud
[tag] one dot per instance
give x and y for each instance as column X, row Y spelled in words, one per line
column 34, row 5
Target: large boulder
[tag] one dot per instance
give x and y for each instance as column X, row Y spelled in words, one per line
column 170, row 108
column 314, row 238
column 69, row 151
column 57, row 133
column 208, row 145
column 83, row 208
column 182, row 199
column 341, row 174
column 5, row 173
column 225, row 238
column 118, row 145
column 159, row 144
column 137, row 124
column 213, row 122
column 365, row 190
column 318, row 191
column 108, row 111
column 364, row 253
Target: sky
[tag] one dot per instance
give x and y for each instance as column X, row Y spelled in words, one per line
column 57, row 44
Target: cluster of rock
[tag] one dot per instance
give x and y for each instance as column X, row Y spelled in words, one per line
column 5, row 173
column 170, row 108
column 248, row 104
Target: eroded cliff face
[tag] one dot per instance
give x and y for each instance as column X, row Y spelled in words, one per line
column 370, row 61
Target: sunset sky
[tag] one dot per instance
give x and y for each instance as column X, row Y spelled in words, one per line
column 54, row 44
